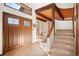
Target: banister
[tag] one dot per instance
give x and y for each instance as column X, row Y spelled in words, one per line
column 50, row 31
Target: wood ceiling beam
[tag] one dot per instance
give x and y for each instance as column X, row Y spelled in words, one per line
column 43, row 8
column 40, row 19
column 43, row 16
column 58, row 11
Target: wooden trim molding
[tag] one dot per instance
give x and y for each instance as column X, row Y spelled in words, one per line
column 77, row 29
column 73, row 18
column 43, row 16
column 41, row 19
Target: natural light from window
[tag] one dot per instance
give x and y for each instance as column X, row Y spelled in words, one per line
column 13, row 5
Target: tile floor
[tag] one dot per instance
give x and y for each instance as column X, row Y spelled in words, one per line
column 32, row 50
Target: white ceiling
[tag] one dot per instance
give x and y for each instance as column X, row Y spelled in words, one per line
column 65, row 5
column 36, row 5
column 39, row 5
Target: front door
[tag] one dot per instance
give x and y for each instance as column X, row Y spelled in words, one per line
column 26, row 32
column 17, row 31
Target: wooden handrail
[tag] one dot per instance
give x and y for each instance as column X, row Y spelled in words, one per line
column 44, row 16
column 50, row 31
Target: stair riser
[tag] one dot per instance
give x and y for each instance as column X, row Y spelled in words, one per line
column 64, row 35
column 66, row 42
column 60, row 45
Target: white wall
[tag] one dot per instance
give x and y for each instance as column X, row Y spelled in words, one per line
column 63, row 24
column 15, row 12
column 37, row 5
column 0, row 32
column 34, row 39
column 65, row 5
column 43, row 27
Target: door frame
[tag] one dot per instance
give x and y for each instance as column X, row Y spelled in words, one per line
column 8, row 34
column 77, row 51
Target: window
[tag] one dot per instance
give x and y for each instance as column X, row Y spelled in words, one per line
column 26, row 23
column 20, row 7
column 13, row 21
column 13, row 5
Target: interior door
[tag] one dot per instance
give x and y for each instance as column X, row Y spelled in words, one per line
column 17, row 32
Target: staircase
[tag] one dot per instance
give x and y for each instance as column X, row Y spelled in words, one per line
column 64, row 43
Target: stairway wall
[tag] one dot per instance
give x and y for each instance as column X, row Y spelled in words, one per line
column 59, row 24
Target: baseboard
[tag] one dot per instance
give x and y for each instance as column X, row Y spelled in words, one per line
column 1, row 54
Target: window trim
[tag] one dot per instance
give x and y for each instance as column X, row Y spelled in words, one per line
column 16, row 9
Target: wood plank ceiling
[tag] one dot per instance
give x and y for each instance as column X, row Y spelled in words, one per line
column 51, row 11
column 66, row 13
column 46, row 12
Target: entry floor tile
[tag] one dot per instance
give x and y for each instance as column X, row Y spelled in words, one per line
column 31, row 50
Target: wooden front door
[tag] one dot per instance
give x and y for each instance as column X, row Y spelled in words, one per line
column 26, row 32
column 17, row 32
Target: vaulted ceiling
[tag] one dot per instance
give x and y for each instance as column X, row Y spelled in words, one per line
column 46, row 12
column 56, row 11
column 66, row 13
